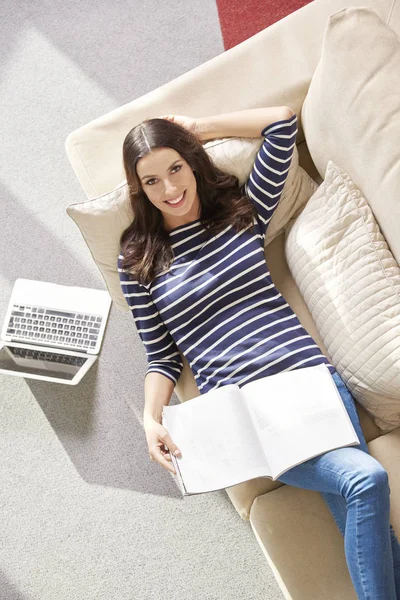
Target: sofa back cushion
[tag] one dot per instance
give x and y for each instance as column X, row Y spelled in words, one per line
column 351, row 114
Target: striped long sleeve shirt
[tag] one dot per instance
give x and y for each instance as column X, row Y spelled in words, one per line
column 217, row 303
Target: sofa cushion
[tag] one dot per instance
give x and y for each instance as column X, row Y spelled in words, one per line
column 102, row 220
column 351, row 114
column 351, row 285
column 302, row 544
column 236, row 156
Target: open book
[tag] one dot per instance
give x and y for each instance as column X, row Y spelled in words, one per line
column 266, row 427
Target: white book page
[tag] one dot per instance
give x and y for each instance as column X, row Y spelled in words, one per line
column 217, row 440
column 300, row 416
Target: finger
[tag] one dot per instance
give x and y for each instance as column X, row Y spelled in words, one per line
column 169, row 444
column 166, row 454
column 158, row 457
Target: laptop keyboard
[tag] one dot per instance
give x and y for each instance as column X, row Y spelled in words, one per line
column 77, row 361
column 43, row 325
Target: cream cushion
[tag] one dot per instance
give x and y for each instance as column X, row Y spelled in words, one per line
column 350, row 283
column 102, row 220
column 351, row 114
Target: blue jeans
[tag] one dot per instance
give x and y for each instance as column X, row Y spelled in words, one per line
column 355, row 487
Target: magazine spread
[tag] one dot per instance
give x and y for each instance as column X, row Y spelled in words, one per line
column 264, row 428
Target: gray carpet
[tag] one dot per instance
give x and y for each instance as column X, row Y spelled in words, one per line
column 84, row 513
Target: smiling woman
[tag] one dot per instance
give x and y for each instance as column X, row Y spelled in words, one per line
column 217, row 306
column 173, row 182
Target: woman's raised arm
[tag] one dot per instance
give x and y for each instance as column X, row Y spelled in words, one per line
column 243, row 123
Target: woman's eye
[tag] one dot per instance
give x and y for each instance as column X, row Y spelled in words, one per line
column 149, row 181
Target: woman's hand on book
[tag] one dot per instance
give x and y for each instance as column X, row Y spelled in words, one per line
column 160, row 444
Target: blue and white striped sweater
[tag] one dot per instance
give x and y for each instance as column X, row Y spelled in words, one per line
column 217, row 303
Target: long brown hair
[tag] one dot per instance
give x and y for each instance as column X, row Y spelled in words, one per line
column 145, row 244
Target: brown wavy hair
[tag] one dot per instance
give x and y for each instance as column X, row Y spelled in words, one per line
column 145, row 244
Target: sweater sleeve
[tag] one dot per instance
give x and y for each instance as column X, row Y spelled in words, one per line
column 270, row 170
column 162, row 353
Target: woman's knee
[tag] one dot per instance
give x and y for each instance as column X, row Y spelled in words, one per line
column 369, row 478
column 378, row 476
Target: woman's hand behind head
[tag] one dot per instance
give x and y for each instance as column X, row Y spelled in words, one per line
column 187, row 122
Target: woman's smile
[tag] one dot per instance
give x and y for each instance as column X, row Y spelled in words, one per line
column 177, row 201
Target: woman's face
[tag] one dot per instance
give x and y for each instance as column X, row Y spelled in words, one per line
column 169, row 183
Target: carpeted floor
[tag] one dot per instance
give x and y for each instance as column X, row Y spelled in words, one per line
column 84, row 513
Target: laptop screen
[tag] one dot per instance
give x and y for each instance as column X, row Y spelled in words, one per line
column 39, row 362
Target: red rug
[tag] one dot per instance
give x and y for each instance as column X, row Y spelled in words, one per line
column 240, row 19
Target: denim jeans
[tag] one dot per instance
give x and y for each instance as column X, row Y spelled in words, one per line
column 355, row 487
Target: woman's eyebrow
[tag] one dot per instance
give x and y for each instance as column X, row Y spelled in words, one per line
column 175, row 161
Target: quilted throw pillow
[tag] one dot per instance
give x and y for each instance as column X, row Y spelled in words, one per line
column 351, row 284
column 102, row 220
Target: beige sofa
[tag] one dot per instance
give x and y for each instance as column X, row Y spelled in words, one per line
column 293, row 527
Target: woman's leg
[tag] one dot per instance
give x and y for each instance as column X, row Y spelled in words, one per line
column 362, row 482
column 338, row 508
column 336, row 503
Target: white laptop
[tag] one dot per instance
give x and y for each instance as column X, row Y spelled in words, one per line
column 52, row 332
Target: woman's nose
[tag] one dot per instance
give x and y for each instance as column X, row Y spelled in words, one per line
column 170, row 189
